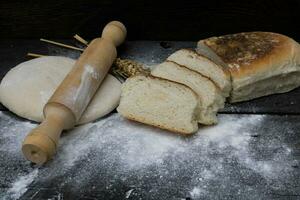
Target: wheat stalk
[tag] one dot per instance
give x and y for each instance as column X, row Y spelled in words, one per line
column 123, row 68
column 61, row 44
column 35, row 55
column 80, row 39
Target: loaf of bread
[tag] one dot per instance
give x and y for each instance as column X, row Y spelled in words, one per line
column 215, row 71
column 159, row 102
column 190, row 87
column 210, row 98
column 260, row 63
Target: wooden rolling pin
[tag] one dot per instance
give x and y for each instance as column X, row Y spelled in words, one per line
column 73, row 95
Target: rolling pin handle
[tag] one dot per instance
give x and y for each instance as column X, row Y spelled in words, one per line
column 40, row 144
column 38, row 147
column 115, row 31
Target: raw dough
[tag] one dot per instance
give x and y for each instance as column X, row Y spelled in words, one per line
column 27, row 87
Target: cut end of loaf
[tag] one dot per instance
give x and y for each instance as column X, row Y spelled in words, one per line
column 203, row 65
column 209, row 96
column 160, row 103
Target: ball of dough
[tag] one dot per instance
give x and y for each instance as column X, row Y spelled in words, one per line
column 26, row 88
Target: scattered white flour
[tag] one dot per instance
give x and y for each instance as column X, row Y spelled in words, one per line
column 74, row 146
column 82, row 95
column 13, row 133
column 196, row 192
column 114, row 149
column 135, row 145
column 19, row 187
column 92, row 71
column 128, row 193
column 231, row 132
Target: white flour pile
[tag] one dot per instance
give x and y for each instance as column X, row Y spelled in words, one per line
column 136, row 145
column 19, row 187
column 114, row 149
column 12, row 133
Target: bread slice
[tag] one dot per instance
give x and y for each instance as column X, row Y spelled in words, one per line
column 159, row 102
column 260, row 63
column 212, row 70
column 210, row 98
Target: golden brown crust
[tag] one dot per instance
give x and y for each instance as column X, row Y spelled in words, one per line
column 183, row 66
column 249, row 52
column 167, row 80
column 225, row 70
column 129, row 116
column 142, row 120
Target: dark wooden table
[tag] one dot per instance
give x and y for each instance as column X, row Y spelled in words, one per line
column 275, row 141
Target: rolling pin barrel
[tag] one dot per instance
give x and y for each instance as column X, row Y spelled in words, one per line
column 73, row 95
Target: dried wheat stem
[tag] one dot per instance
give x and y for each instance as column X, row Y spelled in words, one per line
column 61, row 44
column 80, row 39
column 35, row 55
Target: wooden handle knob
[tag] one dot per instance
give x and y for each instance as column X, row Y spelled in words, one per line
column 40, row 145
column 115, row 31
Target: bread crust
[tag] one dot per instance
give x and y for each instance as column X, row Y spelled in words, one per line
column 224, row 69
column 253, row 52
column 183, row 66
column 167, row 80
column 206, row 114
column 145, row 121
column 142, row 120
column 266, row 87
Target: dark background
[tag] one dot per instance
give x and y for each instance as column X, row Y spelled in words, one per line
column 147, row 20
column 23, row 22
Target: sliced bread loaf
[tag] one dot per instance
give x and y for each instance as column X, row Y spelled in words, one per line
column 210, row 98
column 202, row 64
column 159, row 102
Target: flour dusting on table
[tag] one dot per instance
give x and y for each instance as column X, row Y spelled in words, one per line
column 19, row 186
column 227, row 158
